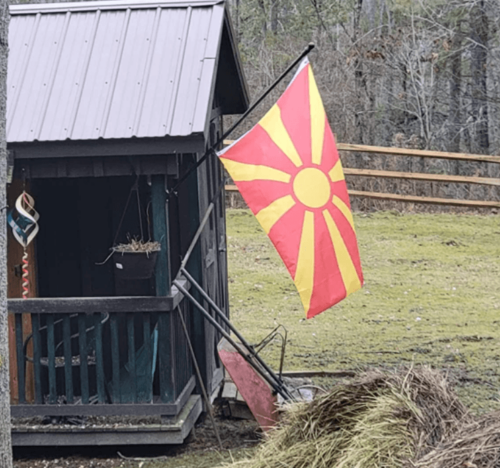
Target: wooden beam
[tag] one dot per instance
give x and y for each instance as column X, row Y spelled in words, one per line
column 417, row 153
column 435, row 201
column 79, row 305
column 411, row 198
column 410, row 152
column 161, row 234
column 166, row 354
column 421, row 176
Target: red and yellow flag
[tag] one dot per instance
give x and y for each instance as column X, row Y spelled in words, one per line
column 288, row 170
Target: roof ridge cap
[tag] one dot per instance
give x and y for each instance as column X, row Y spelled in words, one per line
column 107, row 5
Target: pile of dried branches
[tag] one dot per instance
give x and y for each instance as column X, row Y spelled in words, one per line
column 380, row 420
column 475, row 445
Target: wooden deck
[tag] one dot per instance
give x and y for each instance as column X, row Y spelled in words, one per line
column 170, row 431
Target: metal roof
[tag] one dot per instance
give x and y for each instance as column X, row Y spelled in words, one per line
column 113, row 69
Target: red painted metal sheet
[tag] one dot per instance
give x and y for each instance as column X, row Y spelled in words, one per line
column 253, row 388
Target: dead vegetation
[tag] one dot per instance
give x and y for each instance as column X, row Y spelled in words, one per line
column 408, row 418
column 138, row 245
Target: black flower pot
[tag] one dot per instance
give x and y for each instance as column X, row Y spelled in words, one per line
column 134, row 265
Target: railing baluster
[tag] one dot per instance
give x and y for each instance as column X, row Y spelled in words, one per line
column 115, row 359
column 68, row 359
column 165, row 363
column 21, row 365
column 37, row 354
column 84, row 371
column 131, row 356
column 148, row 378
column 101, row 393
column 51, row 355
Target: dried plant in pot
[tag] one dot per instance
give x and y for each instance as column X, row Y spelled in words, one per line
column 135, row 259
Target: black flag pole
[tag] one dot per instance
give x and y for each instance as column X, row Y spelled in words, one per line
column 245, row 349
column 233, row 127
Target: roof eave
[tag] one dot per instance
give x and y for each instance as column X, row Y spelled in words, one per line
column 236, row 54
column 194, row 143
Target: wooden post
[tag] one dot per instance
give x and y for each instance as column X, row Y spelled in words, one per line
column 160, row 234
column 190, row 193
column 163, row 282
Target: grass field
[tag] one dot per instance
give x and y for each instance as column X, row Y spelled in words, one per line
column 431, row 295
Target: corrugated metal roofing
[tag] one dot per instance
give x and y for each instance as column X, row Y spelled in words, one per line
column 90, row 70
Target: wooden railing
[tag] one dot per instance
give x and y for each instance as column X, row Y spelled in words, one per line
column 97, row 356
column 416, row 176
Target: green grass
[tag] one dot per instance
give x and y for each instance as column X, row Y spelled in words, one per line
column 431, row 296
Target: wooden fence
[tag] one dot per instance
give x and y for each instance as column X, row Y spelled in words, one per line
column 416, row 176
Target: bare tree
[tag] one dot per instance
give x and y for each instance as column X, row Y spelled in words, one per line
column 5, row 435
column 479, row 55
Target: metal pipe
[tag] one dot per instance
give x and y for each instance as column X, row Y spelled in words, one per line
column 201, row 226
column 200, row 379
column 277, row 388
column 221, row 314
column 197, row 235
column 265, row 93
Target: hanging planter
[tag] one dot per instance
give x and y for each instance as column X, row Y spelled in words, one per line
column 135, row 260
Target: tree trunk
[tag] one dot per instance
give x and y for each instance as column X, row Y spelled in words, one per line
column 5, row 435
column 479, row 102
column 275, row 6
column 236, row 18
column 455, row 93
column 262, row 6
column 359, row 78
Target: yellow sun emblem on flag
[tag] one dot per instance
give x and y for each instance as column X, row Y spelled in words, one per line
column 288, row 171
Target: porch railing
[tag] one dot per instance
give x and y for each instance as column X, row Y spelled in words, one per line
column 103, row 356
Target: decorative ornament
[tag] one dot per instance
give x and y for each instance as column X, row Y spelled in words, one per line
column 23, row 219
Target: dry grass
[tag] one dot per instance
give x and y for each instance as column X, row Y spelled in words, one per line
column 138, row 246
column 380, row 420
column 475, row 445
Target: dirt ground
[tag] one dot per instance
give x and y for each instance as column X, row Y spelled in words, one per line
column 235, row 435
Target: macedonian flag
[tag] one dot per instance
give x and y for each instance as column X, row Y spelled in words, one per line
column 288, row 170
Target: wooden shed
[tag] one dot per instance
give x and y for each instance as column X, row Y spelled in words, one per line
column 110, row 104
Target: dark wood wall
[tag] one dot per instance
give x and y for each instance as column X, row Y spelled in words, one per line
column 79, row 220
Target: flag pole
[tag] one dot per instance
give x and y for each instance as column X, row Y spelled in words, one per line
column 251, row 356
column 233, row 127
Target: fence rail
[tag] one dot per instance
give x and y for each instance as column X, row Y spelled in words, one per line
column 416, row 176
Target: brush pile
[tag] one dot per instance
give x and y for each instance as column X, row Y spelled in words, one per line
column 409, row 418
column 475, row 445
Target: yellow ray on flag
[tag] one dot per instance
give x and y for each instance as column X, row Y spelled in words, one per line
column 344, row 210
column 304, row 275
column 275, row 128
column 336, row 173
column 318, row 120
column 268, row 216
column 241, row 172
column 344, row 260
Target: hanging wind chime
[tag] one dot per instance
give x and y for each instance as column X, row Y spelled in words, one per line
column 23, row 219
